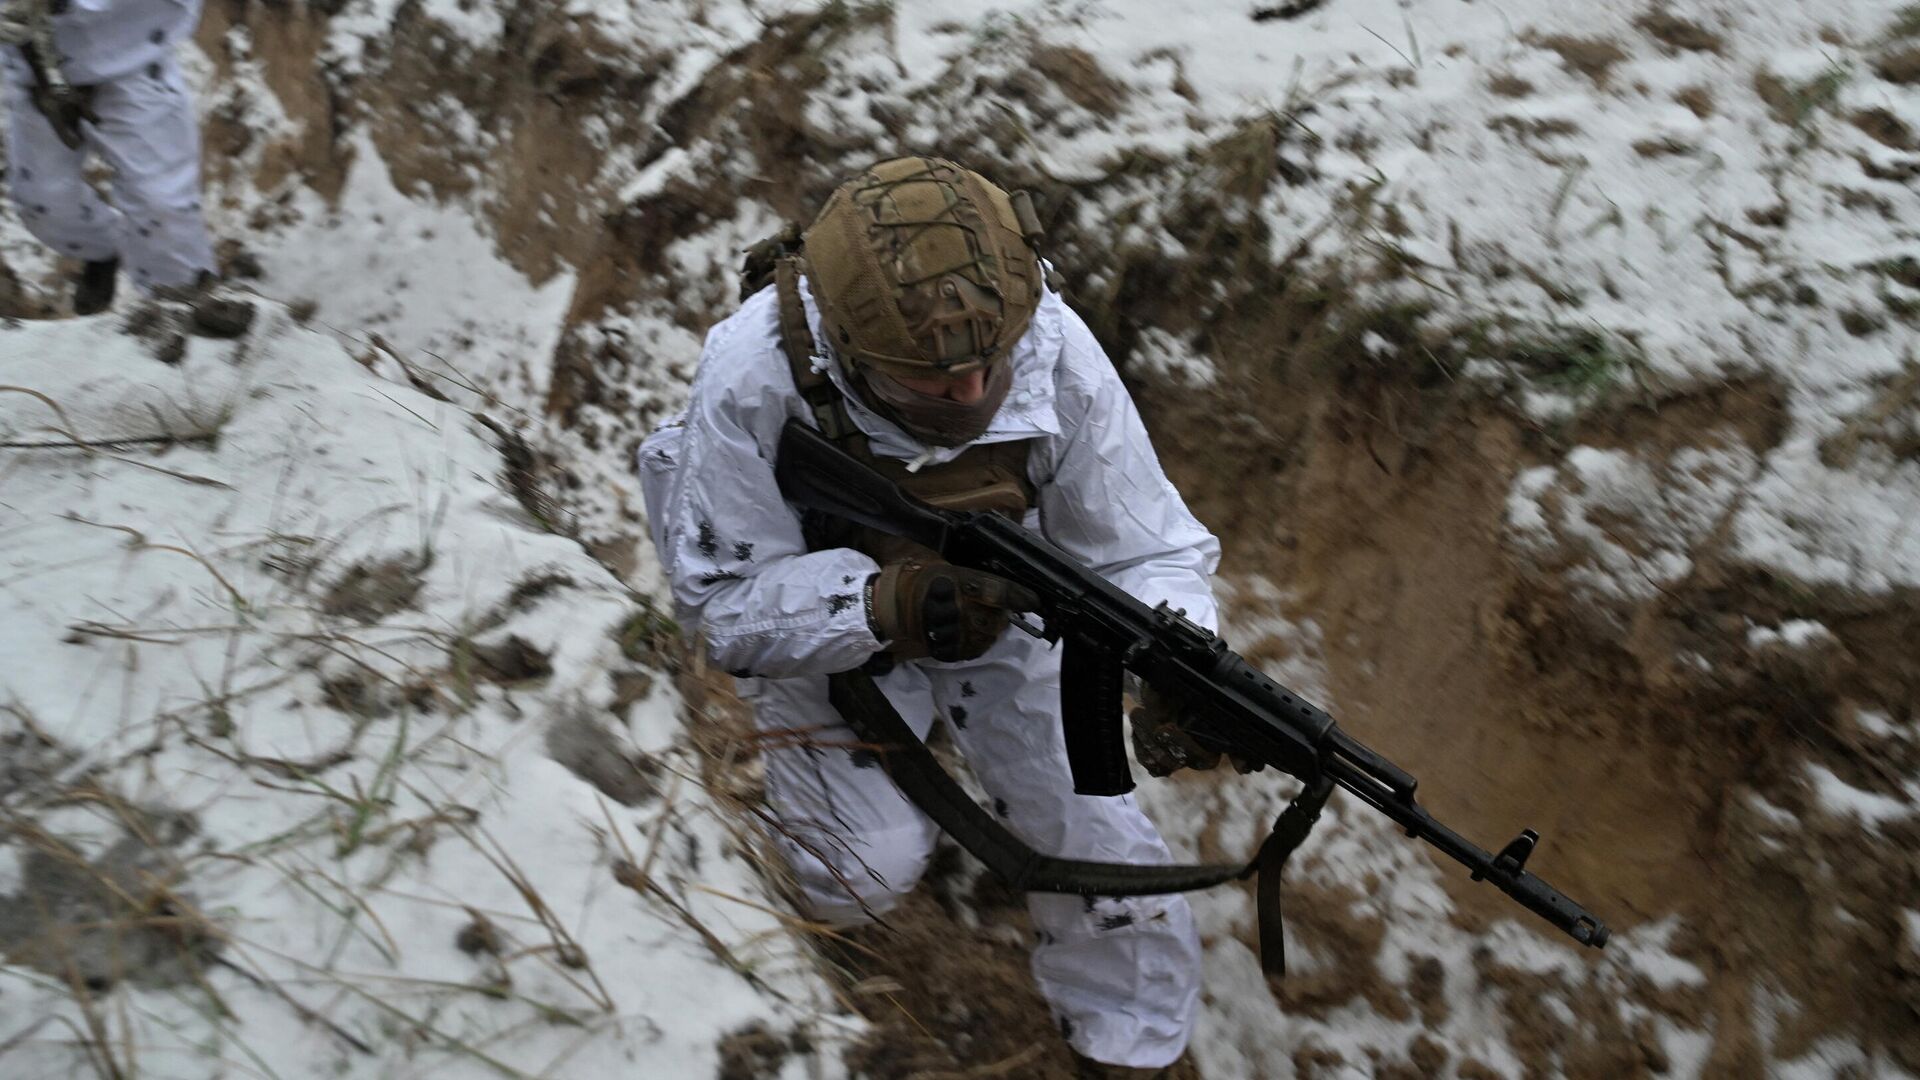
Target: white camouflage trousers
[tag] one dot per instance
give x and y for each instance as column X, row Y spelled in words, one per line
column 149, row 137
column 1122, row 975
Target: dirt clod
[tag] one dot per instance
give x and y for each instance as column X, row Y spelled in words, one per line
column 1886, row 128
column 1679, row 34
column 478, row 936
column 1592, row 57
column 511, row 661
column 752, row 1053
column 372, row 589
column 1900, row 65
column 222, row 316
column 1078, row 76
column 596, row 755
column 1510, row 85
column 103, row 920
column 1698, row 99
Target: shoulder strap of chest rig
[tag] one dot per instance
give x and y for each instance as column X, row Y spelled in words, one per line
column 777, row 260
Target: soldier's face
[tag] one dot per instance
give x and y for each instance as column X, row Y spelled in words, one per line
column 965, row 389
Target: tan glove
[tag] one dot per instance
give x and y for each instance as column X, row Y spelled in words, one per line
column 927, row 607
column 64, row 107
column 1162, row 743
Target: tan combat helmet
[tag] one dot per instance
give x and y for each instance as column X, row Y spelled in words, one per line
column 923, row 268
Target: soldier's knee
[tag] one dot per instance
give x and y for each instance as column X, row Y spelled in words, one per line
column 853, row 882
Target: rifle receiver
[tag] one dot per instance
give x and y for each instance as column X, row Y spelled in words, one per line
column 814, row 473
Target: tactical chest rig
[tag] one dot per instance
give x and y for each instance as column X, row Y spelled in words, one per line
column 989, row 477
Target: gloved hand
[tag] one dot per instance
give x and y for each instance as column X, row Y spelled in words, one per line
column 14, row 28
column 64, row 107
column 1162, row 743
column 926, row 607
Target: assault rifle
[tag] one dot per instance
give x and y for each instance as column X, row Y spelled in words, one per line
column 1231, row 706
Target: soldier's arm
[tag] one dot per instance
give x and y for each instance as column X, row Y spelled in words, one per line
column 1108, row 501
column 739, row 567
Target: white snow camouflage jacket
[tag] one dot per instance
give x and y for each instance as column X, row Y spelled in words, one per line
column 102, row 40
column 732, row 549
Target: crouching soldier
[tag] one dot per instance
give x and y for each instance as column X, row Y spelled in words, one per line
column 98, row 76
column 915, row 326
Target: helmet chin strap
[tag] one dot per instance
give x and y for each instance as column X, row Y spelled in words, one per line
column 939, row 421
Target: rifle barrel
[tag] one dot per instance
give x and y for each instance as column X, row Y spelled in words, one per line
column 1509, row 874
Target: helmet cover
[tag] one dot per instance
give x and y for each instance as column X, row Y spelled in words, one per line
column 921, row 268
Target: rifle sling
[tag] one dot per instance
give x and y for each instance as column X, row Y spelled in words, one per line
column 1289, row 831
column 913, row 768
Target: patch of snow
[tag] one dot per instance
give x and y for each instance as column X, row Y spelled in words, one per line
column 1879, row 724
column 1794, row 634
column 171, row 617
column 1631, row 524
column 10, row 870
column 1770, row 813
column 1646, row 950
column 1163, row 355
column 653, row 179
column 426, row 279
column 1838, row 797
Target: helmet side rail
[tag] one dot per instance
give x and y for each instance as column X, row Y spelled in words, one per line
column 1234, row 707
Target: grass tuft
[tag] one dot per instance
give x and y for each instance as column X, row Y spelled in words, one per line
column 1575, row 360
column 648, row 637
column 1906, row 23
column 1794, row 104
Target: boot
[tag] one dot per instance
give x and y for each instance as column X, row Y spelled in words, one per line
column 217, row 312
column 93, row 286
column 1089, row 1069
column 222, row 316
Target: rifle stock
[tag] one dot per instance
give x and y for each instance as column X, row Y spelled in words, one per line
column 1234, row 706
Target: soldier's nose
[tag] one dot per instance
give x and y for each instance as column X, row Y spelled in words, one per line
column 968, row 388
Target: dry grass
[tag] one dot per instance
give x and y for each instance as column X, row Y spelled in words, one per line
column 1795, row 104
column 1078, row 75
column 1509, row 85
column 1900, row 65
column 1679, row 34
column 1886, row 129
column 1592, row 57
column 1699, row 99
column 1906, row 23
column 1534, row 127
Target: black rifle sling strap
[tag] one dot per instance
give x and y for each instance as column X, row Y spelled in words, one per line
column 1288, row 833
column 918, row 774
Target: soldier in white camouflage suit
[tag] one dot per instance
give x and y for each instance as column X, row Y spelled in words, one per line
column 99, row 77
column 944, row 359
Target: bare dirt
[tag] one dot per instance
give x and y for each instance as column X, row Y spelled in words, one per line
column 1380, row 500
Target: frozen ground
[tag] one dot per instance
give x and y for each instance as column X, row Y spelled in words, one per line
column 1653, row 201
column 283, row 718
